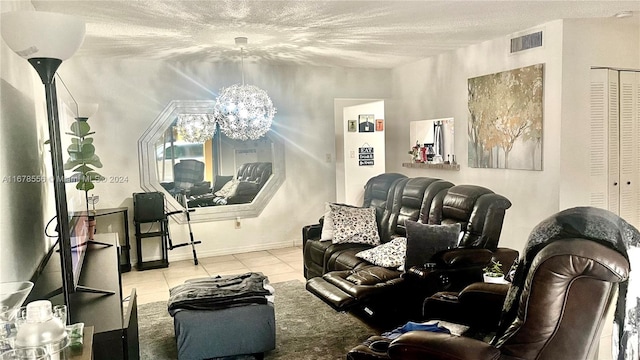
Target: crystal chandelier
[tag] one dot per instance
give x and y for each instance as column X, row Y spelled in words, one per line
column 244, row 112
column 196, row 128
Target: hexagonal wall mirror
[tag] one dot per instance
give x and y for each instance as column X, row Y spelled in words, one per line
column 220, row 178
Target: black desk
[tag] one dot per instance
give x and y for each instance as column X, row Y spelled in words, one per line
column 125, row 249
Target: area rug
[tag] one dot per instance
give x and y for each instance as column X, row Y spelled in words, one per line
column 306, row 328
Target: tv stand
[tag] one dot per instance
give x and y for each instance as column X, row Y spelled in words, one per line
column 87, row 289
column 93, row 242
column 115, row 328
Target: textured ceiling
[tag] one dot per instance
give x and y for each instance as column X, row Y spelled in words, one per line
column 375, row 34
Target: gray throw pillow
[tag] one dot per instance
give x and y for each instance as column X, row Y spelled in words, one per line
column 424, row 240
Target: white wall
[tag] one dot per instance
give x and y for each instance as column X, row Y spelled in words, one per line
column 437, row 88
column 355, row 175
column 132, row 93
column 25, row 207
column 608, row 43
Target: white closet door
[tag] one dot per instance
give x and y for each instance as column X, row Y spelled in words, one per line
column 630, row 147
column 603, row 137
column 613, row 137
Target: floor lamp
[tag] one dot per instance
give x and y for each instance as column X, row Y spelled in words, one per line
column 46, row 40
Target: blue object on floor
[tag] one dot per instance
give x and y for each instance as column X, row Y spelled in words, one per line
column 413, row 326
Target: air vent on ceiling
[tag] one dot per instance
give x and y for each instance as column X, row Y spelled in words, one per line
column 525, row 42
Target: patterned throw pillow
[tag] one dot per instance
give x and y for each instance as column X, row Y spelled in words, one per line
column 327, row 224
column 228, row 189
column 390, row 255
column 354, row 225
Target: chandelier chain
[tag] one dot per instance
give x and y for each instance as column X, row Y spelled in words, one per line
column 242, row 63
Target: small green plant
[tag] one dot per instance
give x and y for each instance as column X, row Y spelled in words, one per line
column 494, row 269
column 82, row 156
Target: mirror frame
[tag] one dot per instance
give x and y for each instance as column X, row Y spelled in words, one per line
column 148, row 167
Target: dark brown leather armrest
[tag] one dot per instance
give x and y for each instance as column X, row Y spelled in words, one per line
column 311, row 232
column 484, row 294
column 462, row 257
column 482, row 304
column 421, row 345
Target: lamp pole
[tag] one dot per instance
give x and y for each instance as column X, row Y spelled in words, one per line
column 46, row 68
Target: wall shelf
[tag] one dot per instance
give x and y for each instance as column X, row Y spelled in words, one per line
column 453, row 167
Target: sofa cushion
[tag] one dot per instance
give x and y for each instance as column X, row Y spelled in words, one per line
column 354, row 225
column 390, row 255
column 424, row 240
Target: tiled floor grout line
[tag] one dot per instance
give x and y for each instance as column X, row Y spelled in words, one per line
column 279, row 265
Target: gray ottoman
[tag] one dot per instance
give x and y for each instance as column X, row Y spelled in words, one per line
column 205, row 334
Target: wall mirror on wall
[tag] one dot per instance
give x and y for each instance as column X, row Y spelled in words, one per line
column 438, row 133
column 222, row 178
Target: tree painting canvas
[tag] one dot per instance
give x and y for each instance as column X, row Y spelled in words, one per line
column 505, row 119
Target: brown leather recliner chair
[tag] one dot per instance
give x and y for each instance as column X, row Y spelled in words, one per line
column 572, row 267
column 560, row 314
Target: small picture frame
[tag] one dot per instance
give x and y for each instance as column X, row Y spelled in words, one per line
column 352, row 125
column 379, row 125
column 366, row 123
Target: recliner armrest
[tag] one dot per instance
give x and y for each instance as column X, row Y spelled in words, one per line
column 483, row 295
column 462, row 257
column 432, row 345
column 311, row 232
column 482, row 304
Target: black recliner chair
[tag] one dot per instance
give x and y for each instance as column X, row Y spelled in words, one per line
column 376, row 191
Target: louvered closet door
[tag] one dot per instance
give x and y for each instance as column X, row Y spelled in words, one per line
column 603, row 137
column 629, row 100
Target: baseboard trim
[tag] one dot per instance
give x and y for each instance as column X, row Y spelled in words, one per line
column 234, row 250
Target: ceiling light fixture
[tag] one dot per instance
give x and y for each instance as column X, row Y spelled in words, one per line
column 244, row 112
column 196, row 128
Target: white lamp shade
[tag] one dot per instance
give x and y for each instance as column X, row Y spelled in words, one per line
column 86, row 110
column 38, row 34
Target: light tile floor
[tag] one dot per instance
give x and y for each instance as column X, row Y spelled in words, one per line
column 153, row 285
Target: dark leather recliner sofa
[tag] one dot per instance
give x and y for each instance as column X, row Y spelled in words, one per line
column 251, row 177
column 345, row 281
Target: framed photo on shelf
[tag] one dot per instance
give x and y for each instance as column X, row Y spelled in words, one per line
column 352, row 125
column 366, row 123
